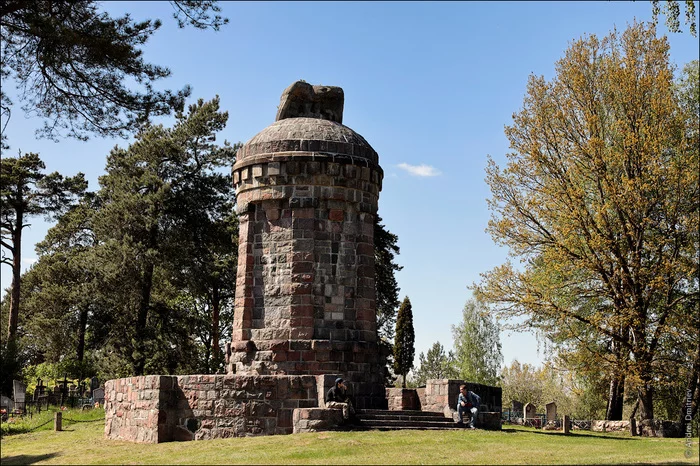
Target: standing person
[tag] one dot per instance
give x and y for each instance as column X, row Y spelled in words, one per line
column 468, row 402
column 337, row 397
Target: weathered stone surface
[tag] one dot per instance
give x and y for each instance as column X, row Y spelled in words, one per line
column 529, row 411
column 400, row 399
column 307, row 189
column 609, row 426
column 489, row 420
column 316, row 419
column 660, row 428
column 551, row 411
column 440, row 393
column 154, row 409
column 301, row 99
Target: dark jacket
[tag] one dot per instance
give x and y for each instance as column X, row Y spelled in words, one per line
column 337, row 394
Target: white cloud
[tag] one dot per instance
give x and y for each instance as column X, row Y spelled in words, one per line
column 420, row 170
column 29, row 260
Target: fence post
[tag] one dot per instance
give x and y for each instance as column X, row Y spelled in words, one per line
column 57, row 418
column 566, row 423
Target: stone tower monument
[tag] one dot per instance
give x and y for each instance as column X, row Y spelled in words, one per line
column 307, row 189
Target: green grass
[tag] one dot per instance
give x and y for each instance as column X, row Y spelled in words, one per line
column 44, row 420
column 84, row 443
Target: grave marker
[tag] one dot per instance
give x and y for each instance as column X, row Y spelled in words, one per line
column 551, row 409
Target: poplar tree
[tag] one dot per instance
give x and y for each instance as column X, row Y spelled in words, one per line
column 477, row 344
column 404, row 341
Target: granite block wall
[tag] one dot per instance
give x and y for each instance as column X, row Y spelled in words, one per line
column 444, row 392
column 154, row 409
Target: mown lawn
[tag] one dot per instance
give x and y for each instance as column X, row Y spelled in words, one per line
column 83, row 443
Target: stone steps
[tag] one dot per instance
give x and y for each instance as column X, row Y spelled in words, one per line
column 403, row 420
column 406, row 412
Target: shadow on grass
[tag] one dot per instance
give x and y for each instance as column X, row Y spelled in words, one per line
column 27, row 459
column 570, row 434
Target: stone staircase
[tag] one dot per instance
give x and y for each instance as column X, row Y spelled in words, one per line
column 379, row 419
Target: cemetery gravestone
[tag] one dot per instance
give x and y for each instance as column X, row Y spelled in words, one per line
column 516, row 408
column 98, row 395
column 530, row 411
column 19, row 390
column 7, row 404
column 551, row 411
column 94, row 383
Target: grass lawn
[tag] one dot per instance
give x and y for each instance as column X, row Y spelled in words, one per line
column 83, row 443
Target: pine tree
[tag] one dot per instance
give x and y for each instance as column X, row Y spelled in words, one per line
column 385, row 252
column 435, row 365
column 27, row 192
column 404, row 349
column 71, row 64
column 165, row 227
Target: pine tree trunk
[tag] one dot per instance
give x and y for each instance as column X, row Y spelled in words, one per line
column 16, row 275
column 144, row 306
column 215, row 309
column 80, row 351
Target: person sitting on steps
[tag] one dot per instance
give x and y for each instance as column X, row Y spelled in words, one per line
column 468, row 402
column 337, row 397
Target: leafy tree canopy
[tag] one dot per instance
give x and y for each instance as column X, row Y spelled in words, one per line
column 672, row 11
column 599, row 202
column 477, row 345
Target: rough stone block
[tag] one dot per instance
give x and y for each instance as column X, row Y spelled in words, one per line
column 316, row 419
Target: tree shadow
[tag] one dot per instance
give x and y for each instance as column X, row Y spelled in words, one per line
column 572, row 434
column 26, row 459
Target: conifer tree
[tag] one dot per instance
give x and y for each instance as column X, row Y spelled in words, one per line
column 436, row 364
column 404, row 349
column 385, row 251
column 27, row 192
column 71, row 63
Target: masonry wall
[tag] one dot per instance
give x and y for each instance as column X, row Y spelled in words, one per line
column 440, row 393
column 153, row 409
column 307, row 192
column 136, row 407
column 306, row 267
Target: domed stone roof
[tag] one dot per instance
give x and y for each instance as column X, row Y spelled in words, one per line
column 306, row 135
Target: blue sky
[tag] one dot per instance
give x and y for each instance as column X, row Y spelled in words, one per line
column 429, row 85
